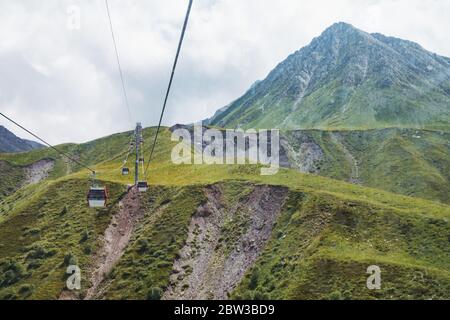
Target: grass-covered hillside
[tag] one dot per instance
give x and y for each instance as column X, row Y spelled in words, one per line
column 406, row 161
column 219, row 231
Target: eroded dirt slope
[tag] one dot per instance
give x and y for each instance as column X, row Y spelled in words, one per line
column 224, row 241
column 38, row 171
column 115, row 240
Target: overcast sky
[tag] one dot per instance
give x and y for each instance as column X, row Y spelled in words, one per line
column 63, row 83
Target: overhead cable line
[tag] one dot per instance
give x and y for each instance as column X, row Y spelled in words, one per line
column 127, row 155
column 48, row 144
column 143, row 158
column 118, row 62
column 170, row 85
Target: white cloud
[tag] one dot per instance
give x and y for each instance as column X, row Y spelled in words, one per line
column 64, row 84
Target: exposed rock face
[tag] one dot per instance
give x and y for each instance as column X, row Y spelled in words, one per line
column 11, row 143
column 303, row 153
column 254, row 141
column 38, row 171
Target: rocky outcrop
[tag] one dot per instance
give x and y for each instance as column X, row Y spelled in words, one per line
column 38, row 171
column 302, row 152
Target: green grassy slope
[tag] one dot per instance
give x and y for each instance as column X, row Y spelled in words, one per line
column 411, row 162
column 46, row 233
column 11, row 179
column 328, row 231
column 404, row 161
column 321, row 249
column 335, row 106
column 111, row 148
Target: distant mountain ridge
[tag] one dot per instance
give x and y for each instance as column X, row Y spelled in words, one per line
column 9, row 142
column 348, row 79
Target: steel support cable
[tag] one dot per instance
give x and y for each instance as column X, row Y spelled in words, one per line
column 118, row 63
column 126, row 153
column 186, row 20
column 130, row 149
column 143, row 159
column 48, row 144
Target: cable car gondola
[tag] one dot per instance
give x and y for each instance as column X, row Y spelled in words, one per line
column 142, row 186
column 97, row 197
column 125, row 171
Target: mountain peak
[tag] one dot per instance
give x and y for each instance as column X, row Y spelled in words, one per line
column 340, row 26
column 348, row 79
column 344, row 32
